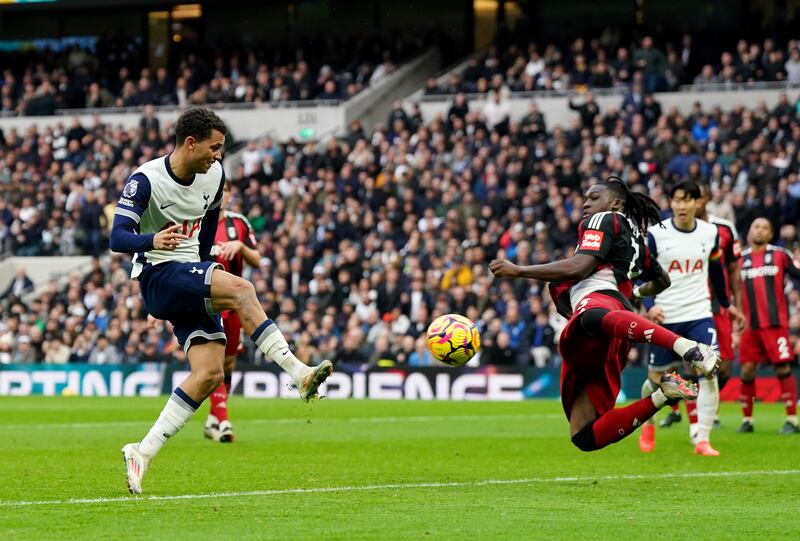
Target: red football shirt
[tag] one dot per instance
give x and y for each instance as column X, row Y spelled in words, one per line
column 763, row 273
column 731, row 250
column 233, row 226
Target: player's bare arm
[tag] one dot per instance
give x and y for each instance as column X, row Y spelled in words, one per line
column 653, row 287
column 229, row 250
column 577, row 267
column 735, row 311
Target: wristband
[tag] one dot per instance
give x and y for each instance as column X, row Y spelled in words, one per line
column 637, row 293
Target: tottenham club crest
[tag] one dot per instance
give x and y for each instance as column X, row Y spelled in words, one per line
column 130, row 188
column 205, row 196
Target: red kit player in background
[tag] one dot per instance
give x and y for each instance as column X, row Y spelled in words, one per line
column 763, row 269
column 234, row 246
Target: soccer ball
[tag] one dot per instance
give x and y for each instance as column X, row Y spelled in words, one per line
column 453, row 339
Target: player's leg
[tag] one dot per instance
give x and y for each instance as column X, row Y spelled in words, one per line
column 225, row 426
column 205, row 359
column 229, row 292
column 788, row 385
column 647, row 436
column 591, row 431
column 708, row 391
column 747, row 394
column 724, row 326
column 777, row 345
column 751, row 352
column 691, row 407
column 630, row 327
column 594, row 422
column 673, row 417
column 660, row 361
column 218, row 426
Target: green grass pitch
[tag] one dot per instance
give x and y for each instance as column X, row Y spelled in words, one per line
column 386, row 470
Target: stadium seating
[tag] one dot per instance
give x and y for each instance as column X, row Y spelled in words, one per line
column 113, row 74
column 527, row 66
column 381, row 231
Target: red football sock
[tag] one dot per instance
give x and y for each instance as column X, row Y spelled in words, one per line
column 675, row 407
column 618, row 423
column 219, row 402
column 789, row 393
column 634, row 328
column 747, row 394
column 691, row 410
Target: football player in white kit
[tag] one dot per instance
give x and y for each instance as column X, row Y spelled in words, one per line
column 688, row 249
column 167, row 217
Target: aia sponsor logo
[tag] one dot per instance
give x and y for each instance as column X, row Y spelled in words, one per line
column 685, row 266
column 592, row 240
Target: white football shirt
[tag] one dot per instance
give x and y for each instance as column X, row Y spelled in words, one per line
column 155, row 198
column 685, row 255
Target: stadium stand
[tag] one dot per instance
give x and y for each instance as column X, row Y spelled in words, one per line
column 113, row 73
column 381, row 231
column 603, row 64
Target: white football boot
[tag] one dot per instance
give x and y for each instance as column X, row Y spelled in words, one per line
column 703, row 358
column 313, row 379
column 225, row 432
column 211, row 430
column 135, row 467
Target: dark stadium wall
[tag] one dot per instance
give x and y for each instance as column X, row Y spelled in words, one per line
column 264, row 21
column 35, row 24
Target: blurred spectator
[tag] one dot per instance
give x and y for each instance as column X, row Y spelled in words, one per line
column 20, row 285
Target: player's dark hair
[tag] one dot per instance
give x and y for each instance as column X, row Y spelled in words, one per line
column 689, row 188
column 198, row 122
column 637, row 206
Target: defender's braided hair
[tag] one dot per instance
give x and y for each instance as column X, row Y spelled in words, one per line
column 638, row 207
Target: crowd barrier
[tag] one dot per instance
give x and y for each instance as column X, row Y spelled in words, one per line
column 434, row 383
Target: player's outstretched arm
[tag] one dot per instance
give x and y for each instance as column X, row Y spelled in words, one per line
column 654, row 286
column 576, row 267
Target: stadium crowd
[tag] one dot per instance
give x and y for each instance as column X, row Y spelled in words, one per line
column 114, row 74
column 604, row 63
column 365, row 239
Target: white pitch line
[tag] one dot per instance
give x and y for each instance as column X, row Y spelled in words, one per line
column 397, row 486
column 302, row 420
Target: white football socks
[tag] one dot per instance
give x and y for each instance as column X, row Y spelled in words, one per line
column 707, row 402
column 656, row 395
column 176, row 413
column 270, row 340
column 682, row 345
column 648, row 388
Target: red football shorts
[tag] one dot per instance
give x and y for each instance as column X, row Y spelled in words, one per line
column 591, row 364
column 761, row 345
column 233, row 331
column 724, row 326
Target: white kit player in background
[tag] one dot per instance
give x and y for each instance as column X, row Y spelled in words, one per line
column 167, row 216
column 688, row 249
